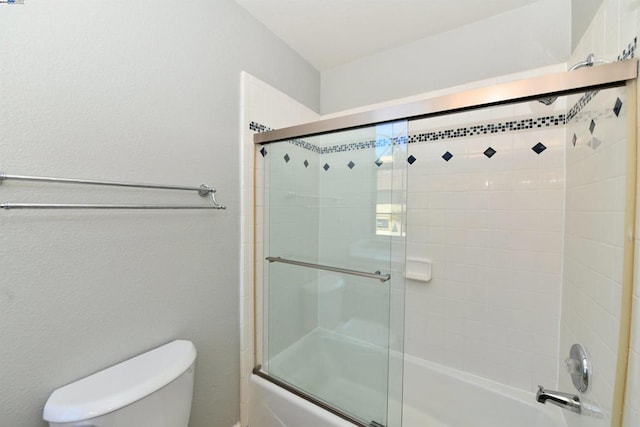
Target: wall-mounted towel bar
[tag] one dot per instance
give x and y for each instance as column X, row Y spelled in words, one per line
column 382, row 277
column 203, row 191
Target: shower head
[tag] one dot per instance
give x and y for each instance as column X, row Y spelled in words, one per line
column 589, row 62
column 548, row 101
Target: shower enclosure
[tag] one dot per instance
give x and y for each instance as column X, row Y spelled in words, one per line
column 519, row 195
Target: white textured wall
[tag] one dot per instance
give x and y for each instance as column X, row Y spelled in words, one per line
column 525, row 38
column 133, row 91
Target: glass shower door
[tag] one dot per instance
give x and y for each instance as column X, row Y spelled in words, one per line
column 334, row 286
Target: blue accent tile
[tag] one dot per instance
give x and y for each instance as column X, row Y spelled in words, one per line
column 411, row 160
column 489, row 152
column 617, row 107
column 447, row 156
column 287, row 158
column 592, row 126
column 351, row 165
column 306, row 164
column 326, row 167
column 539, row 148
column 574, row 139
column 378, row 162
column 263, row 152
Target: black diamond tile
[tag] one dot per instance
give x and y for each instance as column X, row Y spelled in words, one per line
column 539, row 148
column 574, row 139
column 378, row 162
column 592, row 126
column 287, row 158
column 411, row 159
column 263, row 152
column 489, row 152
column 351, row 165
column 326, row 166
column 306, row 164
column 447, row 156
column 617, row 107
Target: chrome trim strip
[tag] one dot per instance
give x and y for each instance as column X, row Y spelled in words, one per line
column 382, row 277
column 557, row 84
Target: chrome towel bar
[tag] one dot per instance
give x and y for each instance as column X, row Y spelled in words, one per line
column 203, row 191
column 382, row 277
column 9, row 205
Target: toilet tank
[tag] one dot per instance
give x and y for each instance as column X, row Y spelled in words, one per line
column 152, row 389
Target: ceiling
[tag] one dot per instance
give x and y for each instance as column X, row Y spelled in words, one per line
column 328, row 33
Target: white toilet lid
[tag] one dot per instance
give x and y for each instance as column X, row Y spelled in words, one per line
column 120, row 385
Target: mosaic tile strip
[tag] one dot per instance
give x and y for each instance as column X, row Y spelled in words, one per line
column 442, row 134
column 361, row 145
column 489, row 128
column 257, row 127
column 589, row 115
column 628, row 53
column 582, row 102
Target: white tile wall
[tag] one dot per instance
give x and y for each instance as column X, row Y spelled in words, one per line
column 263, row 104
column 593, row 247
column 614, row 26
column 493, row 228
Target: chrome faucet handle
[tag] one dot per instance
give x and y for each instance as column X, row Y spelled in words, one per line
column 579, row 367
column 573, row 366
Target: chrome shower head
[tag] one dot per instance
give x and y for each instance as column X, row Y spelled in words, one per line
column 548, row 101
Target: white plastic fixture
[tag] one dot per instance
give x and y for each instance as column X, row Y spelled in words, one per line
column 120, row 385
column 418, row 269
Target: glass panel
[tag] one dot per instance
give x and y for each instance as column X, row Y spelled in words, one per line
column 338, row 200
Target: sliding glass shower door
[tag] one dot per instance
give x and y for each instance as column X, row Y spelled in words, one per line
column 334, row 256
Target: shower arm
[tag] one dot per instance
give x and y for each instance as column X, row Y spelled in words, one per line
column 589, row 62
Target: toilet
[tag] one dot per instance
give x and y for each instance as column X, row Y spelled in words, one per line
column 152, row 389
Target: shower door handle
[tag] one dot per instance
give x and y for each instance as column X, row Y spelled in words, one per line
column 377, row 275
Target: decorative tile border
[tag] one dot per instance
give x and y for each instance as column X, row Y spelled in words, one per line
column 362, row 145
column 259, row 128
column 489, row 128
column 628, row 53
column 461, row 132
column 474, row 130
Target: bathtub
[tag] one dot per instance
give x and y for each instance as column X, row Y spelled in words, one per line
column 434, row 396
